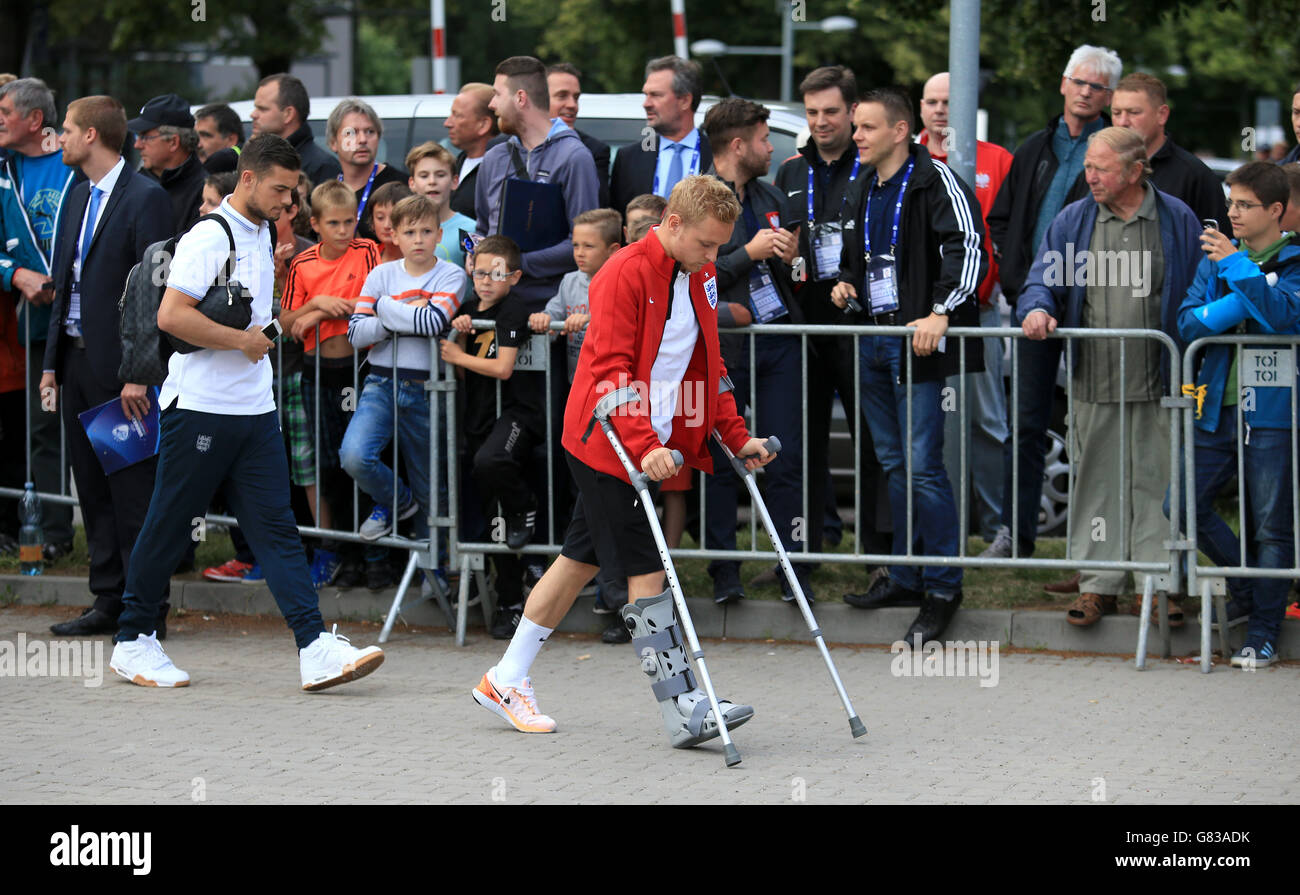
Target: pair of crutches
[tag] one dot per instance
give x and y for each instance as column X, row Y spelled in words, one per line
column 607, row 405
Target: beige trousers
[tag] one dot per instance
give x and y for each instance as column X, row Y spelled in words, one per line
column 1140, row 463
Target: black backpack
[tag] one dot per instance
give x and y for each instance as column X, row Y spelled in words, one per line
column 145, row 352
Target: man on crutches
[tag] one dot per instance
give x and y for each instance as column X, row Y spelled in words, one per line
column 651, row 352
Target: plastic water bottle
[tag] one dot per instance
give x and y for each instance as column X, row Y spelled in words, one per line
column 31, row 539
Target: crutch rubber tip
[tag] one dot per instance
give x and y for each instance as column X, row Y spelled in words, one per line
column 857, row 727
column 732, row 755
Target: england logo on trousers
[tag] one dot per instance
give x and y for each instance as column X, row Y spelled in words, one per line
column 204, row 442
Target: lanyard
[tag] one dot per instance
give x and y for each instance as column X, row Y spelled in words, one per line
column 365, row 197
column 898, row 212
column 693, row 169
column 853, row 175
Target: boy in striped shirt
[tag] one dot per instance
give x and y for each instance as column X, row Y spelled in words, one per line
column 416, row 296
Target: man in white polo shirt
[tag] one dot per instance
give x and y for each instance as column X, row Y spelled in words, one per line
column 219, row 429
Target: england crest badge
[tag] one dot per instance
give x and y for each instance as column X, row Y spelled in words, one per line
column 711, row 291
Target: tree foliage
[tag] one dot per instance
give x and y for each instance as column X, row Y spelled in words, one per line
column 1217, row 56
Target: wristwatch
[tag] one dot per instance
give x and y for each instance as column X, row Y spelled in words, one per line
column 940, row 309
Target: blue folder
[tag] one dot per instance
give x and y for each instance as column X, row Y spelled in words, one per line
column 120, row 442
column 533, row 214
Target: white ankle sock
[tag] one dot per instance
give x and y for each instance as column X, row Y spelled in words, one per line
column 523, row 649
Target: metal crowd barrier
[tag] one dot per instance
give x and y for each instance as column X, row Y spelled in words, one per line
column 1163, row 576
column 1211, row 579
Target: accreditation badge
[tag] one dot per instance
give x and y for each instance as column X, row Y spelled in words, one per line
column 882, row 284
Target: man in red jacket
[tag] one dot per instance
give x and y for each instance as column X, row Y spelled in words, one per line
column 654, row 331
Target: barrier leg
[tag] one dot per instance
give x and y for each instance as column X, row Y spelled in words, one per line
column 1144, row 622
column 462, row 608
column 397, row 598
column 1206, row 665
column 1221, row 611
column 1162, row 602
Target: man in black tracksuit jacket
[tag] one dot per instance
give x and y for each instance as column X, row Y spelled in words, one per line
column 753, row 272
column 912, row 257
column 830, row 358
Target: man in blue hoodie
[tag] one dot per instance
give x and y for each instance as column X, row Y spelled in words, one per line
column 548, row 151
column 34, row 183
column 1252, row 286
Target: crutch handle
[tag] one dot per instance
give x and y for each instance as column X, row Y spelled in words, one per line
column 678, row 459
column 772, row 445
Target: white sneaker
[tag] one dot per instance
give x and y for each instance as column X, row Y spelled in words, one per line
column 517, row 705
column 143, row 662
column 332, row 660
column 1001, row 546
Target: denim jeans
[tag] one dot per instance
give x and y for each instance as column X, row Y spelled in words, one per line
column 370, row 431
column 934, row 515
column 1216, row 466
column 1267, row 464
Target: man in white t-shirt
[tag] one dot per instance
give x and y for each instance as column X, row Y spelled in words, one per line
column 219, row 430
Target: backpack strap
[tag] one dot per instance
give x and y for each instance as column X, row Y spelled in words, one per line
column 521, row 171
column 230, row 236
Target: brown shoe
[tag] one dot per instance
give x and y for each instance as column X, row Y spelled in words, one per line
column 1089, row 608
column 1176, row 617
column 1070, row 586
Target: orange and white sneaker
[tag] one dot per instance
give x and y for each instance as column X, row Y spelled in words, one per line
column 517, row 705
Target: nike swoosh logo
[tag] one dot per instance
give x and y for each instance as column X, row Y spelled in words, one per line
column 652, row 301
column 794, row 192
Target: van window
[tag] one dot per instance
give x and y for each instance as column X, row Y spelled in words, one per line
column 426, row 129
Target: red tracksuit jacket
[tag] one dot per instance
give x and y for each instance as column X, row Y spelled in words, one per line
column 619, row 351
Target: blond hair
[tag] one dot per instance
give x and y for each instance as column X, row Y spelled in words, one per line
column 332, row 194
column 1128, row 145
column 607, row 222
column 413, row 209
column 700, row 196
column 430, row 149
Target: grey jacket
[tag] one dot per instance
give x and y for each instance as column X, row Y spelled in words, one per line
column 561, row 159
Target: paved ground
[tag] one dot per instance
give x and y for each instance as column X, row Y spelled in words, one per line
column 1052, row 729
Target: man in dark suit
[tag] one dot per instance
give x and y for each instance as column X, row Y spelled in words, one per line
column 108, row 221
column 565, row 83
column 471, row 128
column 657, row 162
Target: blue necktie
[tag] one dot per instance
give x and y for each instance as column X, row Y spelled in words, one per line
column 674, row 168
column 95, row 195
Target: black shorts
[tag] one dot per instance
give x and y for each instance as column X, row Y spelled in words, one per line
column 609, row 527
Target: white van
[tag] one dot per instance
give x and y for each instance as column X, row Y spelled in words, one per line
column 615, row 118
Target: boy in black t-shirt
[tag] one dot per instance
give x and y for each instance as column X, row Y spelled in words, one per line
column 500, row 445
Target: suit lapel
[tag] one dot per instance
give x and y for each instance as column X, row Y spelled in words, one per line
column 78, row 199
column 114, row 199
